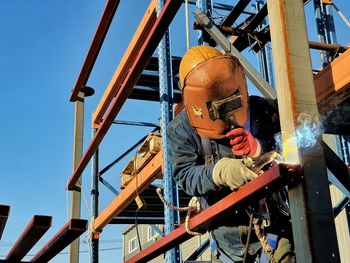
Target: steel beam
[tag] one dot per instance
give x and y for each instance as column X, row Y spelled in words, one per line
column 95, row 46
column 144, row 55
column 35, row 229
column 140, row 182
column 94, row 255
column 270, row 181
column 199, row 251
column 66, row 235
column 126, row 62
column 4, row 214
column 340, row 176
column 235, row 13
column 311, row 210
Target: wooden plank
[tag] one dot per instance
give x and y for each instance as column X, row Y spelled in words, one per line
column 313, row 224
column 333, row 83
column 140, row 182
column 125, row 64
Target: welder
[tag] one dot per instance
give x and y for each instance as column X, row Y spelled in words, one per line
column 221, row 127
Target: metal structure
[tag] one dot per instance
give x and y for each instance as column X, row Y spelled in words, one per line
column 297, row 91
column 34, row 231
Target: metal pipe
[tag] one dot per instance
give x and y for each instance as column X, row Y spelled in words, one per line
column 66, row 235
column 136, row 123
column 35, row 229
column 327, row 47
column 94, row 201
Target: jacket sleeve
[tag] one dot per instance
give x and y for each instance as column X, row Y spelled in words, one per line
column 188, row 169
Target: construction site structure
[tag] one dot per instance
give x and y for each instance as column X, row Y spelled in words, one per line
column 299, row 89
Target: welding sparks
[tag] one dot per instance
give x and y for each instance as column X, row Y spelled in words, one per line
column 305, row 137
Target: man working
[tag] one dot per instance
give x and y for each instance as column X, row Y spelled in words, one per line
column 220, row 127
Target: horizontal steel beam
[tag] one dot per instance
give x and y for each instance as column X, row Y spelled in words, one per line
column 66, row 235
column 35, row 229
column 235, row 13
column 144, row 55
column 95, row 46
column 272, row 180
column 136, row 186
column 4, row 214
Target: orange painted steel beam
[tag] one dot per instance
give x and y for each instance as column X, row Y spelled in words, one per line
column 145, row 53
column 66, row 235
column 268, row 182
column 125, row 64
column 4, row 214
column 332, row 84
column 136, row 186
column 95, row 46
column 35, row 229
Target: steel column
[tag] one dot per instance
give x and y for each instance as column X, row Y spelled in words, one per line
column 95, row 46
column 4, row 214
column 77, row 154
column 35, row 229
column 272, row 180
column 94, row 201
column 311, row 210
column 166, row 115
column 203, row 6
column 145, row 53
column 67, row 234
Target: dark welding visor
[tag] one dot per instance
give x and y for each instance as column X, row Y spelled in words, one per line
column 218, row 109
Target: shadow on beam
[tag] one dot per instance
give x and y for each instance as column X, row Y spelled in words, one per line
column 66, row 235
column 35, row 229
column 4, row 214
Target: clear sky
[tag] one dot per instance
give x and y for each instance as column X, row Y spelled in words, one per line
column 43, row 45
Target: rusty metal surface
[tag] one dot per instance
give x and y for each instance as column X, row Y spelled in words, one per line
column 168, row 13
column 270, row 181
column 66, row 235
column 95, row 46
column 35, row 229
column 4, row 214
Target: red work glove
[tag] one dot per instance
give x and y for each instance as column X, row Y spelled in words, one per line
column 243, row 143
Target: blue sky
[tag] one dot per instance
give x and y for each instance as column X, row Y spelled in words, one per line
column 42, row 48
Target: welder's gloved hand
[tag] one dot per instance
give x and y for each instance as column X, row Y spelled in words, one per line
column 243, row 143
column 232, row 173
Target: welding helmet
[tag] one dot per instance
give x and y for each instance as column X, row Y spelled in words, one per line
column 214, row 91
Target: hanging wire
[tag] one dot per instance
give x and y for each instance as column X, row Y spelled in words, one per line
column 187, row 26
column 340, row 13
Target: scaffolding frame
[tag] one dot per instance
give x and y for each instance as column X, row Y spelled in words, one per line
column 156, row 28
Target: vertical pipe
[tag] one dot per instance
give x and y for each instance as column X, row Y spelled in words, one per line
column 166, row 105
column 94, row 201
column 203, row 6
column 77, row 154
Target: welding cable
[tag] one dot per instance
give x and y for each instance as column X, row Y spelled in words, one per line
column 193, row 205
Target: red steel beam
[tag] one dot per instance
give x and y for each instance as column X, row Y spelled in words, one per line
column 268, row 182
column 66, row 235
column 95, row 46
column 149, row 46
column 4, row 214
column 35, row 229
